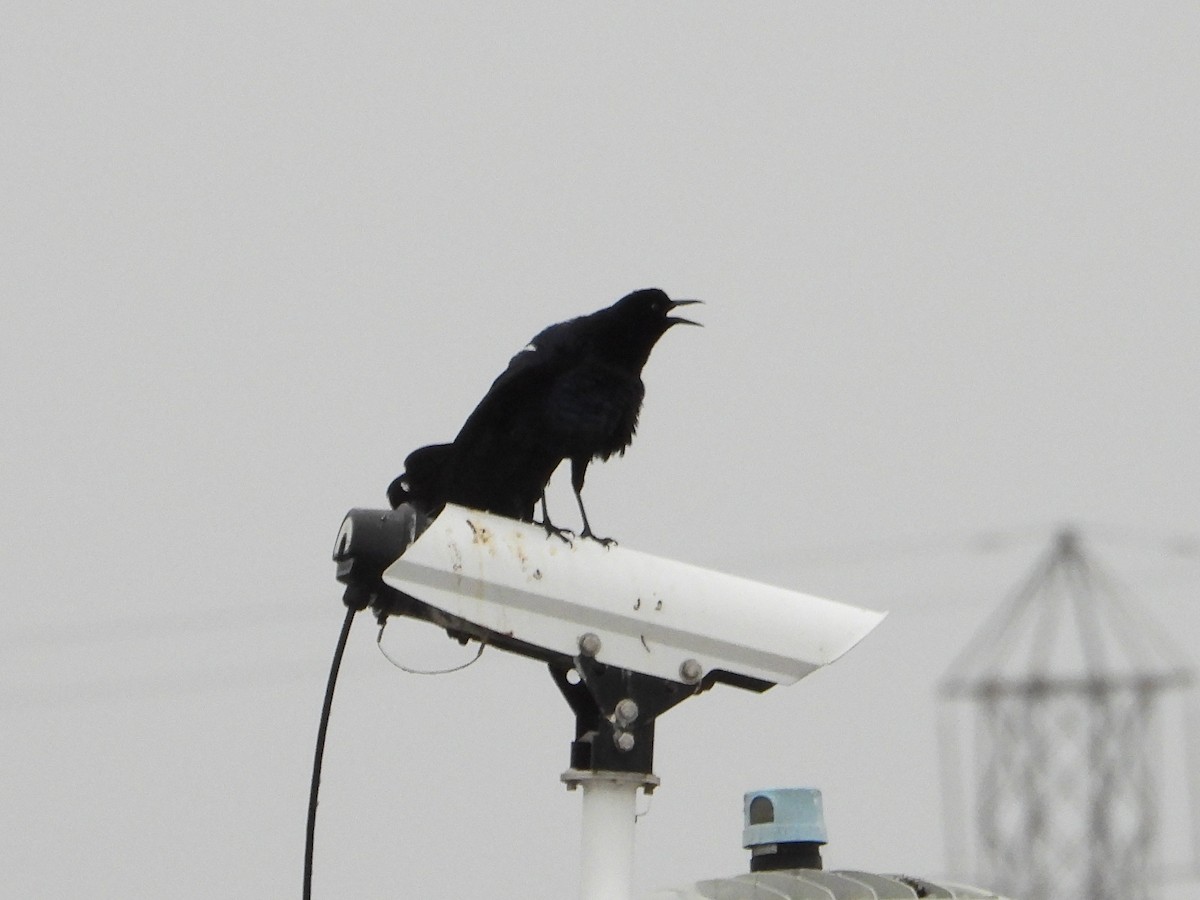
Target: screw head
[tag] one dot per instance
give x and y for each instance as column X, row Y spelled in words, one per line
column 624, row 741
column 589, row 644
column 691, row 671
column 626, row 712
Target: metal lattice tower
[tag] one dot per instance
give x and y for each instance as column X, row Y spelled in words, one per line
column 1064, row 682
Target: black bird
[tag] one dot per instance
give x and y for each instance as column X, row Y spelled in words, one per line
column 573, row 393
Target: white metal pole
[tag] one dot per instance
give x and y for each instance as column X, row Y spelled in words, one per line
column 609, row 819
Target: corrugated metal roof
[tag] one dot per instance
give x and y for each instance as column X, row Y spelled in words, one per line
column 812, row 884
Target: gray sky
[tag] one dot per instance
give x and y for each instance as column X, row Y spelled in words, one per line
column 254, row 253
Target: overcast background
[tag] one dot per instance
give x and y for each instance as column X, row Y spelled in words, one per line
column 253, row 253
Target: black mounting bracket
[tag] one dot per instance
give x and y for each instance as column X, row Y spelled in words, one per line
column 615, row 711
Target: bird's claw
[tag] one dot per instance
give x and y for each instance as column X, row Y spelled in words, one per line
column 566, row 535
column 607, row 542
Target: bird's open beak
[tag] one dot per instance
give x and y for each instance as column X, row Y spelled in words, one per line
column 679, row 320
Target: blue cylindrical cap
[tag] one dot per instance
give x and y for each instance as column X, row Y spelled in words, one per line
column 783, row 816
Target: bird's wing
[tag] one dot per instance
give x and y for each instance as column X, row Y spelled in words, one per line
column 500, row 459
column 529, row 373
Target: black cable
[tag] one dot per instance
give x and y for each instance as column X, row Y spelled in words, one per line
column 320, row 752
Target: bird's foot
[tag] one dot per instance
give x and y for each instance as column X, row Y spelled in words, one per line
column 607, row 542
column 566, row 535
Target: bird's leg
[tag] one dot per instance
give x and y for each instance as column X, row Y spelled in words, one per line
column 578, row 473
column 587, row 529
column 565, row 534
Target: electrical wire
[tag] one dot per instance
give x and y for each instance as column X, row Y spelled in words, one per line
column 403, row 668
column 320, row 752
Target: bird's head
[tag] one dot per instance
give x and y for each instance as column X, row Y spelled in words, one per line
column 641, row 318
column 650, row 310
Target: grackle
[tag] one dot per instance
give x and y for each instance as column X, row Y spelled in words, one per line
column 574, row 392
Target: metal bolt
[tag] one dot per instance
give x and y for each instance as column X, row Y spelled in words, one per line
column 624, row 741
column 589, row 644
column 691, row 671
column 626, row 712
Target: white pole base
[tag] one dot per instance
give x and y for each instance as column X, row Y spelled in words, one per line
column 609, row 819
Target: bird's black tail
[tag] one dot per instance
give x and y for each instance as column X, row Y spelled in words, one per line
column 422, row 483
